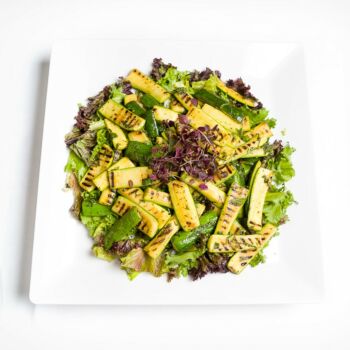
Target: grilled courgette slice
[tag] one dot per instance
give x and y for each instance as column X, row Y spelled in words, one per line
column 161, row 214
column 200, row 208
column 221, row 118
column 127, row 178
column 197, row 118
column 224, row 173
column 257, row 198
column 101, row 181
column 158, row 197
column 228, row 154
column 186, row 100
column 235, row 95
column 262, row 130
column 134, row 194
column 183, row 204
column 245, row 123
column 130, row 98
column 121, row 116
column 148, row 224
column 208, row 189
column 237, row 229
column 177, row 107
column 233, row 243
column 139, row 136
column 105, row 159
column 156, row 246
column 241, row 259
column 254, row 153
column 119, row 139
column 235, row 199
column 107, row 197
column 142, row 82
column 162, row 114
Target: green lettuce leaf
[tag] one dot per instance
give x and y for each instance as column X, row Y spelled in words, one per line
column 182, row 263
column 283, row 167
column 97, row 124
column 100, row 253
column 92, row 196
column 90, row 223
column 102, row 137
column 83, row 147
column 135, row 260
column 75, row 165
column 209, row 85
column 93, row 222
column 276, row 205
column 258, row 259
column 116, row 94
column 175, row 79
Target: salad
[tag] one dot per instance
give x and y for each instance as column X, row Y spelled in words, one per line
column 177, row 173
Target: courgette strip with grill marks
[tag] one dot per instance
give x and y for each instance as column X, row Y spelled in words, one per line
column 148, row 224
column 235, row 95
column 105, row 159
column 221, row 118
column 158, row 197
column 177, row 107
column 107, row 197
column 134, row 194
column 197, row 118
column 161, row 214
column 207, row 189
column 241, row 259
column 121, row 116
column 257, row 198
column 186, row 100
column 183, row 204
column 237, row 229
column 235, row 199
column 162, row 114
column 233, row 243
column 224, row 173
column 127, row 178
column 142, row 82
column 155, row 247
column 101, row 181
column 262, row 130
column 228, row 154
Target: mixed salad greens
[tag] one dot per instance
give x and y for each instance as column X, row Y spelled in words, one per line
column 176, row 173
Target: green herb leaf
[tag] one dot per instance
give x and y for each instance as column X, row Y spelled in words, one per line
column 276, row 205
column 75, row 165
column 174, row 80
column 116, row 94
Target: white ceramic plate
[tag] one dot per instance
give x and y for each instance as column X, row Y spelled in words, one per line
column 63, row 269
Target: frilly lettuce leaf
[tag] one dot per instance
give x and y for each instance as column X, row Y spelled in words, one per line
column 209, row 85
column 276, row 205
column 258, row 259
column 283, row 167
column 182, row 263
column 175, row 79
column 100, row 253
column 92, row 222
column 76, row 166
column 102, row 137
column 135, row 260
column 117, row 94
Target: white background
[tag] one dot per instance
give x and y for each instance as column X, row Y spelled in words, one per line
column 27, row 30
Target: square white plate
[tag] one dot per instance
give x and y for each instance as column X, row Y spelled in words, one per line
column 63, row 269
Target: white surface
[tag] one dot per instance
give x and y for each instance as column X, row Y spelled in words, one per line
column 27, row 30
column 62, row 272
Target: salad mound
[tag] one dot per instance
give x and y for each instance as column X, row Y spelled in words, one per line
column 177, row 173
